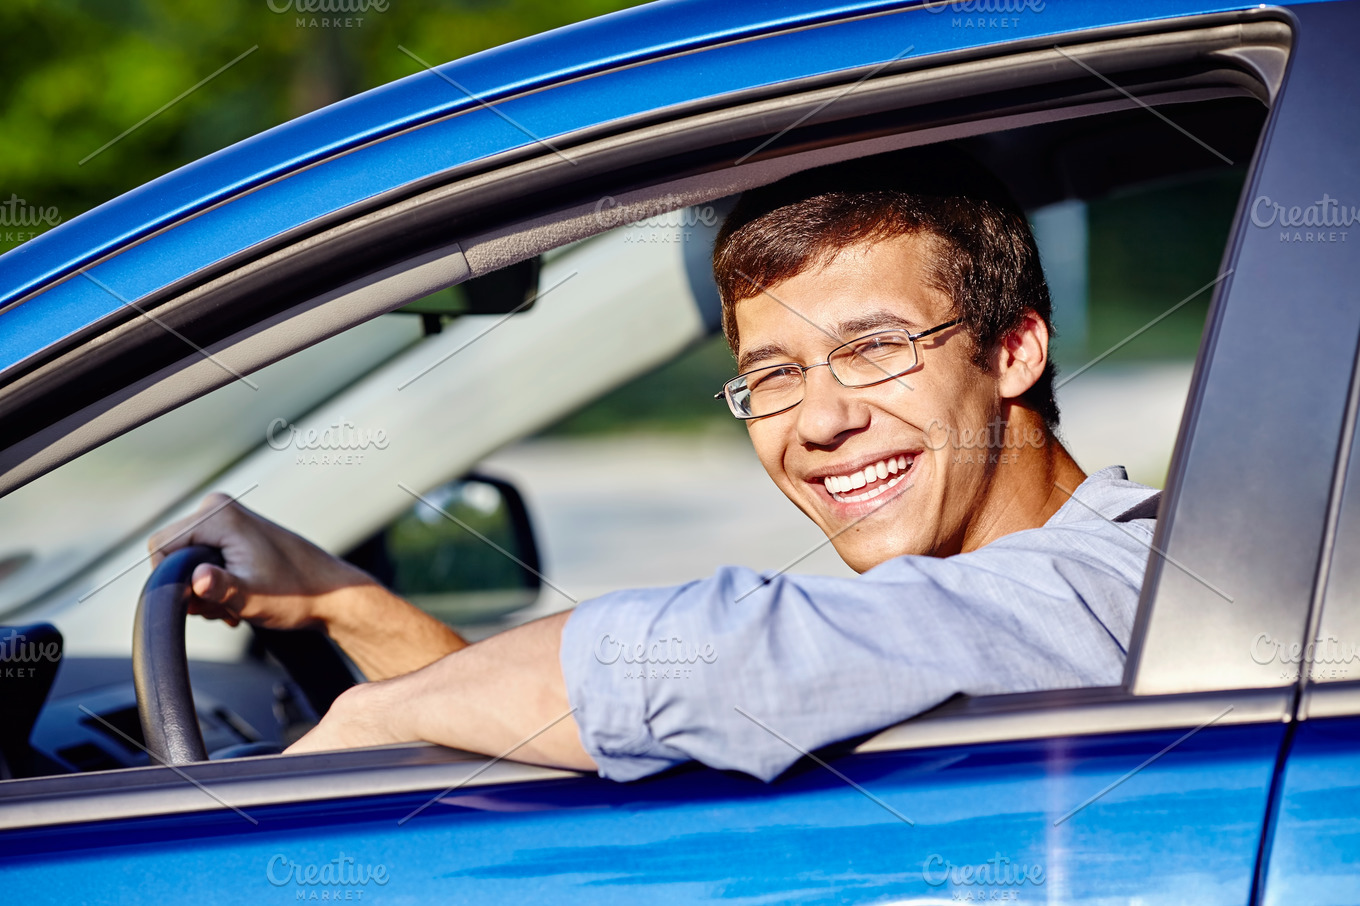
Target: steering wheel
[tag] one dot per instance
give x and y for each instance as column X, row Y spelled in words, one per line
column 160, row 665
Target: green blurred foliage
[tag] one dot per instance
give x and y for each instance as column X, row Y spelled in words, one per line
column 678, row 396
column 431, row 554
column 1149, row 249
column 77, row 73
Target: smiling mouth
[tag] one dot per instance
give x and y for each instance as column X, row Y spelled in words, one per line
column 871, row 481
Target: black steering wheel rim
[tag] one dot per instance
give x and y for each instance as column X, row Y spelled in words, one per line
column 160, row 665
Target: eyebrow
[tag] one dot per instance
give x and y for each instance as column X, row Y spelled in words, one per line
column 749, row 359
column 883, row 319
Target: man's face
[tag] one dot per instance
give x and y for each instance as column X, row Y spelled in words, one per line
column 838, row 431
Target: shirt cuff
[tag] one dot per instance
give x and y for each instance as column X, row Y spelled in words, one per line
column 610, row 703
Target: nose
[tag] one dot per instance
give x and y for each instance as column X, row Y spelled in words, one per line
column 828, row 410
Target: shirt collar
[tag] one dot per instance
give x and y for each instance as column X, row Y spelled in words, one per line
column 1103, row 495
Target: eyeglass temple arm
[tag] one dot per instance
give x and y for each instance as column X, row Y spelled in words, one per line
column 936, row 329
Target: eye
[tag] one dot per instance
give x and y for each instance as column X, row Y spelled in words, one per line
column 774, row 379
column 880, row 346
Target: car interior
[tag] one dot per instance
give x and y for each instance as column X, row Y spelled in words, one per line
column 540, row 309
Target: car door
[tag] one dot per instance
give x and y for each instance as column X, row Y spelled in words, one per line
column 1159, row 789
column 1310, row 853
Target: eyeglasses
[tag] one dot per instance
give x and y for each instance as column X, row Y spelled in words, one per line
column 862, row 362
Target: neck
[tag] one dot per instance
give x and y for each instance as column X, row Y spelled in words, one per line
column 1028, row 485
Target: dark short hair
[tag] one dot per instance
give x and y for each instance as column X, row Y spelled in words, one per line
column 986, row 261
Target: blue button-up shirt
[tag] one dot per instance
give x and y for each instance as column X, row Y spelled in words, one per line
column 719, row 669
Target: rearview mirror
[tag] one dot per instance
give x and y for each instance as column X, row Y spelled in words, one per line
column 501, row 292
column 470, row 557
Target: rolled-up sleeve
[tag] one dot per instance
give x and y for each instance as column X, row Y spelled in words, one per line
column 744, row 673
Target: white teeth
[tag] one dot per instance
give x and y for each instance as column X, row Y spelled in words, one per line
column 873, row 492
column 841, row 484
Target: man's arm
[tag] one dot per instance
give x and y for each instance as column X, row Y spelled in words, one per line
column 385, row 636
column 504, row 696
column 744, row 672
column 280, row 580
column 491, row 697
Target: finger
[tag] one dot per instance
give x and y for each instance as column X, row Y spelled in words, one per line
column 214, row 584
column 171, row 538
column 207, row 611
column 192, row 529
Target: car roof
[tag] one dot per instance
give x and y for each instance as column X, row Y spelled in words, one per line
column 392, row 136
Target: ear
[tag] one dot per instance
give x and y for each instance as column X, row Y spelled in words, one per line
column 1021, row 356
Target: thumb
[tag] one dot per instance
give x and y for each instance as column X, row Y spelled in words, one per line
column 215, row 585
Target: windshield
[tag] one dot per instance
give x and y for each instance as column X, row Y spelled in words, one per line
column 57, row 526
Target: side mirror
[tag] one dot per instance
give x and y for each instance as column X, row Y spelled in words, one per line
column 473, row 559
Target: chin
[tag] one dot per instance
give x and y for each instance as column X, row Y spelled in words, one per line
column 862, row 558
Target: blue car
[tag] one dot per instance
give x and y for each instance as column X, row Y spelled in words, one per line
column 566, row 186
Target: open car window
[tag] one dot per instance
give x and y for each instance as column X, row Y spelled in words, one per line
column 493, row 464
column 372, row 461
column 1132, row 216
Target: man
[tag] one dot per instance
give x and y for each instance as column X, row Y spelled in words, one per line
column 891, row 327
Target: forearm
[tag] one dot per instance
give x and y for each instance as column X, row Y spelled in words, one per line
column 384, row 635
column 495, row 697
column 498, row 696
